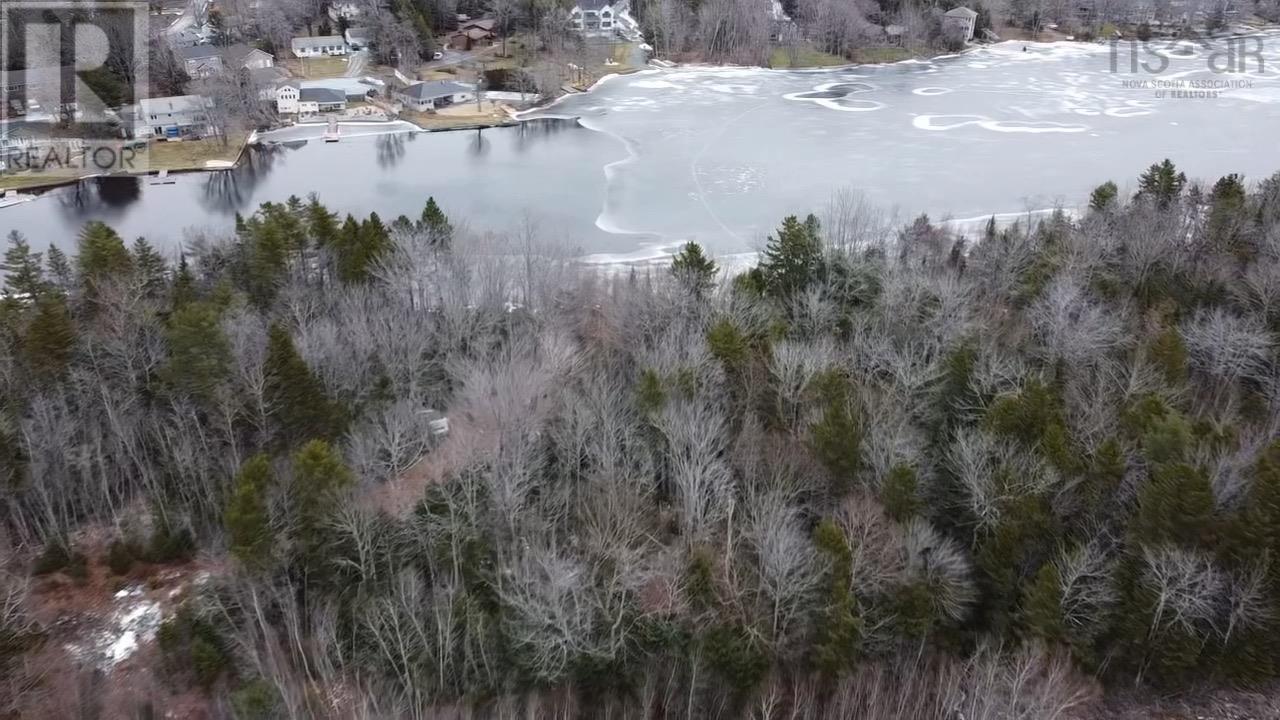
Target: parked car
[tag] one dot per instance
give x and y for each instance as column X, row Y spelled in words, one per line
column 437, row 55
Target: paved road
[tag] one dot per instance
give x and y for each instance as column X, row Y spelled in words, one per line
column 188, row 17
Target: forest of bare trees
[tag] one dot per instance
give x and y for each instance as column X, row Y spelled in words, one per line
column 887, row 472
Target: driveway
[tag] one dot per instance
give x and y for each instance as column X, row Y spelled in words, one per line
column 357, row 64
column 188, row 17
column 451, row 58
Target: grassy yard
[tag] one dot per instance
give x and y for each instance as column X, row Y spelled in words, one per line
column 185, row 155
column 316, row 68
column 193, row 154
column 462, row 115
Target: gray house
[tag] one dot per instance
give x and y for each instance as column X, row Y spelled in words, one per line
column 434, row 94
column 202, row 61
column 169, row 118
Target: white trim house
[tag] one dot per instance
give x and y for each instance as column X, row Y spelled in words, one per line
column 434, row 94
column 596, row 17
column 321, row 46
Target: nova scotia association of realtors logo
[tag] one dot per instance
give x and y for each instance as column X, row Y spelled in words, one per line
column 71, row 75
column 1235, row 55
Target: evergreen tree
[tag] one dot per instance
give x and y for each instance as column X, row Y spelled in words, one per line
column 319, row 479
column 1169, row 354
column 60, row 274
column 321, row 223
column 149, row 266
column 694, row 269
column 50, row 337
column 1176, row 506
column 1162, row 182
column 246, row 518
column 1042, row 606
column 101, row 253
column 301, row 407
column 1103, row 198
column 436, row 223
column 900, row 494
column 839, row 626
column 199, row 354
column 1226, row 211
column 793, row 259
column 23, row 272
column 184, row 284
column 837, row 437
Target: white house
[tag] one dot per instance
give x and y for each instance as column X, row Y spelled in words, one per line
column 343, row 11
column 169, row 118
column 596, row 17
column 434, row 94
column 322, row 46
column 287, row 98
column 963, row 18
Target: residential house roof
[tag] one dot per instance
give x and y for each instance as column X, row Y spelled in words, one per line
column 322, row 95
column 174, row 104
column 198, row 52
column 433, row 89
column 358, row 35
column 591, row 5
column 483, row 23
column 961, row 12
column 240, row 54
column 474, row 33
column 308, row 43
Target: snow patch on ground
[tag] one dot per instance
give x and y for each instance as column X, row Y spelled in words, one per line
column 134, row 621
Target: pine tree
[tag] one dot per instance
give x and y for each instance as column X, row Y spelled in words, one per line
column 60, row 274
column 23, row 272
column 199, row 354
column 436, row 223
column 101, row 253
column 1226, row 213
column 319, row 479
column 50, row 337
column 839, row 627
column 793, row 259
column 693, row 269
column 900, row 494
column 1042, row 606
column 321, row 223
column 184, row 284
column 837, row 437
column 1176, row 506
column 246, row 518
column 149, row 267
column 1162, row 182
column 301, row 407
column 1103, row 198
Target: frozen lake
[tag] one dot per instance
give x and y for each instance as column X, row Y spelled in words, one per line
column 722, row 154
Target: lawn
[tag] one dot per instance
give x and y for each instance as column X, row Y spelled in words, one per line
column 193, row 154
column 317, row 68
column 461, row 115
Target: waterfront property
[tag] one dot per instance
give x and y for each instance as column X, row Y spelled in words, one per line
column 316, row 100
column 596, row 17
column 168, row 118
column 962, row 18
column 434, row 94
column 321, row 46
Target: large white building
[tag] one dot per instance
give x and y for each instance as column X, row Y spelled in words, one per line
column 321, row 46
column 597, row 17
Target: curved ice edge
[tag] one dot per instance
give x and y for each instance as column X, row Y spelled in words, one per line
column 659, row 254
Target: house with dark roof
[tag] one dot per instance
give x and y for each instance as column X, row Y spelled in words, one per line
column 597, row 17
column 434, row 94
column 202, row 61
